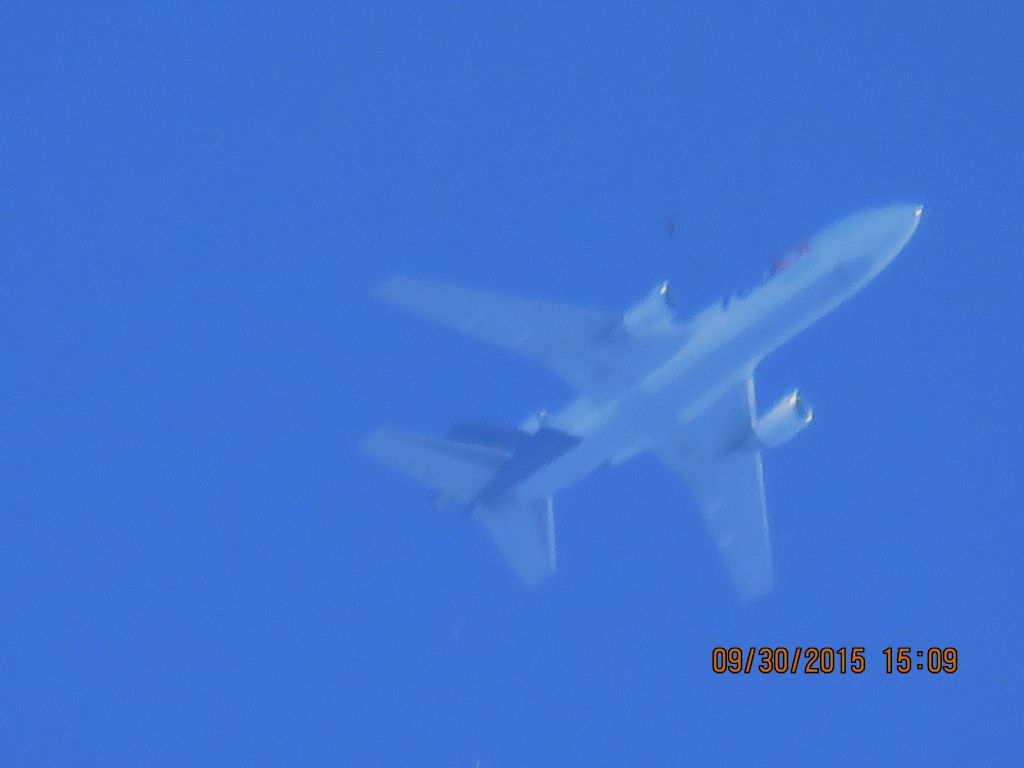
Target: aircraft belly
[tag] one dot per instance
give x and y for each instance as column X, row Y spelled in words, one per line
column 716, row 360
column 729, row 352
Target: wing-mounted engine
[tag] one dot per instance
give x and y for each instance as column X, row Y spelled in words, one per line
column 654, row 311
column 782, row 423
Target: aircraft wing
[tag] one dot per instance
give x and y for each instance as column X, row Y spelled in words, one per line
column 726, row 477
column 578, row 345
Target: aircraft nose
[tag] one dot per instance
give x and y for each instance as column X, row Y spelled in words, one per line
column 918, row 213
column 915, row 214
column 899, row 222
column 887, row 230
column 908, row 220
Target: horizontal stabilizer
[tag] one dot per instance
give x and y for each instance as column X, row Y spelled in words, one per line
column 457, row 470
column 525, row 535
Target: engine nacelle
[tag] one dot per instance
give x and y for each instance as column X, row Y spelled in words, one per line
column 782, row 423
column 652, row 312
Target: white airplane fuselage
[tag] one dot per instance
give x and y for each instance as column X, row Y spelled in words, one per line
column 727, row 342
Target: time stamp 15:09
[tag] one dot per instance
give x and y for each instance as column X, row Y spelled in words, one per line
column 816, row 660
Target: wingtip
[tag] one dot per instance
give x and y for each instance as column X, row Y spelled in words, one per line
column 750, row 593
column 392, row 289
column 374, row 443
column 534, row 580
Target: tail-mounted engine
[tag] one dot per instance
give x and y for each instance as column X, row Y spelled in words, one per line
column 782, row 423
column 653, row 311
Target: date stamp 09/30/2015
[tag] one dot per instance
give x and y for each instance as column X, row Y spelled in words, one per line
column 818, row 660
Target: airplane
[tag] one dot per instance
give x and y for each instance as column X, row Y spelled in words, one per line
column 682, row 391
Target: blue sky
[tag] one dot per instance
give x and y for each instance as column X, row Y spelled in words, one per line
column 198, row 567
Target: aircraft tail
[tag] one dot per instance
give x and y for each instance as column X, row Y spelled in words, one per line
column 524, row 531
column 525, row 535
column 456, row 470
